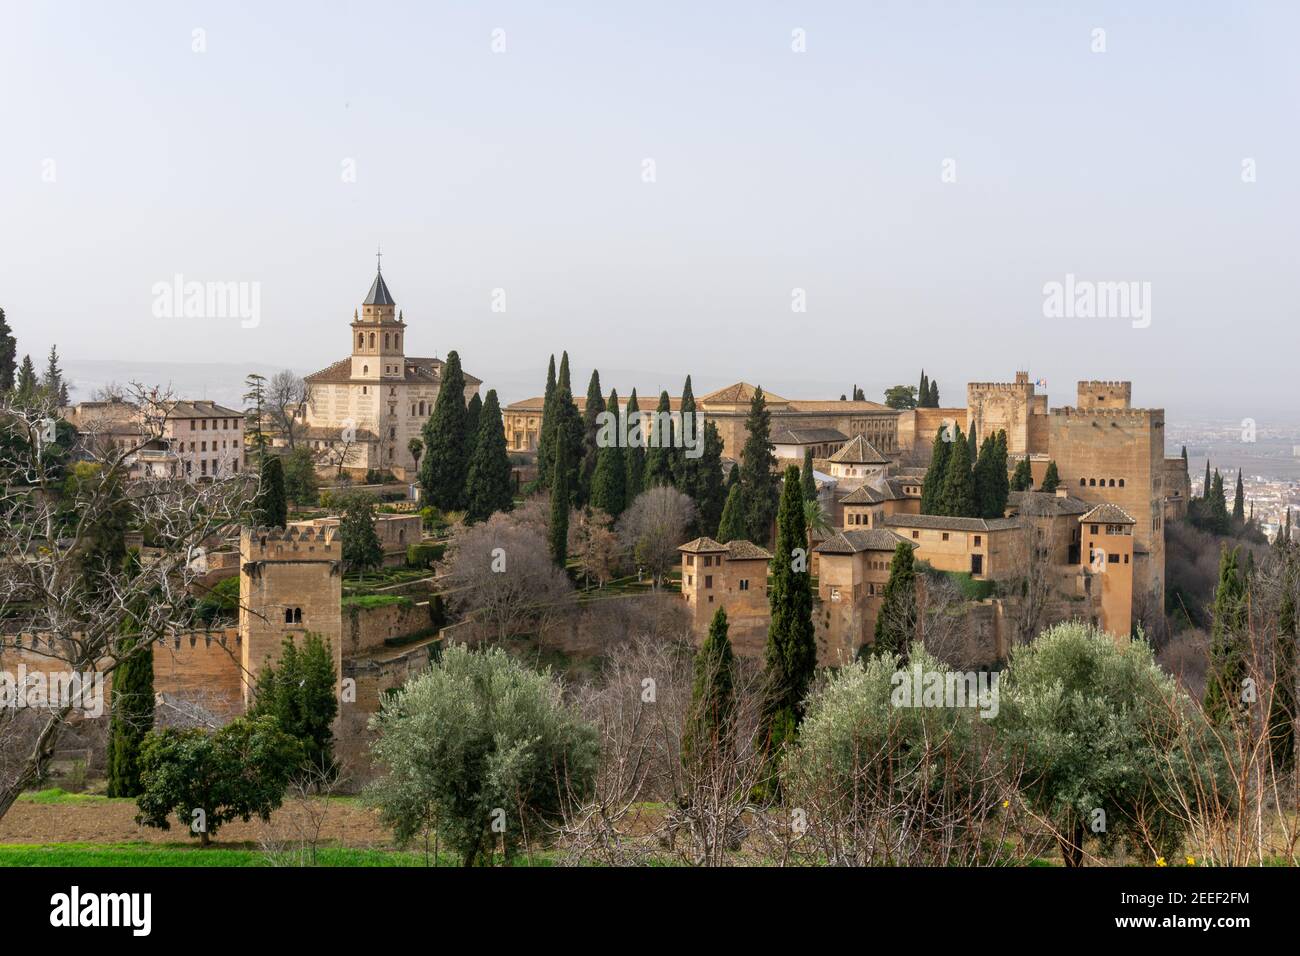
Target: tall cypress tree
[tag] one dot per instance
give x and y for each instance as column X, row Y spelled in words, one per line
column 131, row 707
column 25, row 385
column 488, row 487
column 934, row 394
column 985, row 493
column 791, row 654
column 1225, row 676
column 686, row 471
column 1051, row 478
column 756, row 471
column 807, row 479
column 473, row 413
column 568, row 430
column 1239, row 502
column 445, row 465
column 1282, row 706
column 712, row 493
column 1023, row 479
column 932, row 486
column 8, row 355
column 609, row 481
column 1218, row 506
column 53, row 380
column 1205, row 489
column 1001, row 482
column 546, row 435
column 732, row 525
column 558, row 532
column 270, row 506
column 659, row 456
column 958, row 496
column 897, row 620
column 595, row 404
column 635, row 452
column 707, row 734
column 923, row 391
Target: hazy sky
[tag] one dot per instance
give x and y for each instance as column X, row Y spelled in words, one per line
column 524, row 171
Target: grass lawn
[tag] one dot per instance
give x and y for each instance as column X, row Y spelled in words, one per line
column 181, row 854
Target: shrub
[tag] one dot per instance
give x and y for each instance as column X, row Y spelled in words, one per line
column 300, row 692
column 208, row 778
column 221, row 602
column 480, row 748
column 424, row 555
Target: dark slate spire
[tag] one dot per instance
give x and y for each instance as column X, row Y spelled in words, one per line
column 379, row 294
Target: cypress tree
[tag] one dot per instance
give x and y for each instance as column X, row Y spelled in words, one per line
column 923, row 391
column 686, row 471
column 659, row 456
column 590, row 416
column 1001, row 483
column 1225, row 676
column 568, row 430
column 757, row 462
column 983, row 477
column 445, row 465
column 270, row 506
column 635, row 452
column 1239, row 502
column 1051, row 478
column 791, row 654
column 1282, row 706
column 958, row 496
column 732, row 525
column 806, row 478
column 559, row 527
column 488, row 485
column 1023, row 479
column 934, row 394
column 131, row 707
column 25, row 385
column 609, row 481
column 546, row 436
column 8, row 355
column 896, row 622
column 362, row 550
column 932, row 486
column 707, row 734
column 972, row 448
column 1219, row 519
column 712, row 492
column 53, row 380
column 1205, row 489
column 733, row 476
column 473, row 416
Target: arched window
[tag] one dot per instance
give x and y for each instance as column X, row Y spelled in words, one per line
column 1112, row 482
column 387, row 340
column 421, row 408
column 372, row 340
column 1082, row 482
column 365, row 370
column 1092, row 482
column 288, row 615
column 361, row 340
column 297, row 615
column 1121, row 482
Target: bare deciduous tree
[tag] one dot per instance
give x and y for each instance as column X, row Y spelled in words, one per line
column 653, row 527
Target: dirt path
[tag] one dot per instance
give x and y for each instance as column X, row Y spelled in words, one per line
column 114, row 822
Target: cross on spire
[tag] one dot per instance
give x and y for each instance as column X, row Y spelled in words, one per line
column 379, row 255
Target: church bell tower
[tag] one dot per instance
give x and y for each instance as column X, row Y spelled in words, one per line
column 377, row 350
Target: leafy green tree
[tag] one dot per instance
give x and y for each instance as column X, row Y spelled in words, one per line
column 558, row 530
column 1051, row 478
column 659, row 456
column 732, row 525
column 790, row 658
column 1226, row 675
column 53, row 383
column 301, row 693
column 8, row 355
column 932, row 484
column 546, row 435
column 488, row 484
column 634, row 454
column 445, row 467
column 1101, row 727
column 483, row 750
column 208, row 778
column 301, row 485
column 361, row 548
column 901, row 396
column 858, row 394
column 416, row 447
column 590, row 450
column 807, row 479
column 1023, row 479
column 255, row 413
column 897, row 619
column 132, row 706
column 707, row 735
column 958, row 496
column 270, row 507
column 609, row 481
column 756, row 471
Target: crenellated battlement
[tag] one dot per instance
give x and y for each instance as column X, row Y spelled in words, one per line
column 300, row 542
column 1134, row 416
column 972, row 387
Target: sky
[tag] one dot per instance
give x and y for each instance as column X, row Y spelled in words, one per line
column 801, row 195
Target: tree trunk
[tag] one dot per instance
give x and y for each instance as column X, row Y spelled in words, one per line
column 35, row 762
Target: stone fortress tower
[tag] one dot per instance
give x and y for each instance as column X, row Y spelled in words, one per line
column 290, row 583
